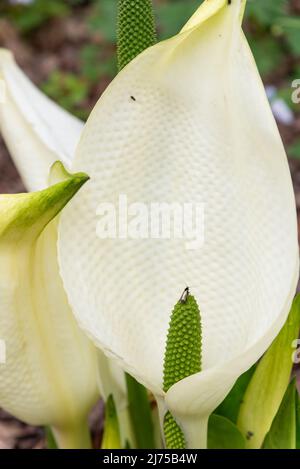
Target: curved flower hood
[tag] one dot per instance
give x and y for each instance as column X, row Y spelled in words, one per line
column 41, row 134
column 49, row 377
column 186, row 121
column 36, row 130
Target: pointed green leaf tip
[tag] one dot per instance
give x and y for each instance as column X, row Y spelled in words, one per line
column 136, row 29
column 111, row 436
column 282, row 434
column 24, row 216
column 268, row 384
column 140, row 413
column 182, row 357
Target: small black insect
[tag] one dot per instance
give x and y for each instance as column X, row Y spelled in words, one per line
column 184, row 295
column 249, row 435
column 133, row 98
column 229, row 2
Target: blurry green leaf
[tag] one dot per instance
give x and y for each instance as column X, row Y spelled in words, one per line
column 140, row 412
column 90, row 58
column 103, row 19
column 173, row 15
column 282, row 434
column 291, row 29
column 223, row 434
column 96, row 63
column 267, row 387
column 296, row 71
column 272, row 17
column 230, row 407
column 285, row 93
column 50, row 440
column 267, row 52
column 297, row 420
column 68, row 90
column 111, row 436
column 294, row 150
column 31, row 16
column 266, row 11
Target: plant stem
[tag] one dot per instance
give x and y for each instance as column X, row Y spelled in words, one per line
column 195, row 431
column 73, row 437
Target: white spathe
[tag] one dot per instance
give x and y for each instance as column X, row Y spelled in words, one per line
column 49, row 376
column 36, row 130
column 200, row 130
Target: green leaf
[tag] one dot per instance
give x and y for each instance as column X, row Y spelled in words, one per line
column 294, row 150
column 291, row 28
column 103, row 18
column 266, row 11
column 31, row 16
column 172, row 16
column 140, row 413
column 50, row 440
column 24, row 216
column 230, row 407
column 285, row 93
column 95, row 63
column 267, row 52
column 269, row 382
column 282, row 434
column 223, row 434
column 297, row 421
column 68, row 90
column 111, row 436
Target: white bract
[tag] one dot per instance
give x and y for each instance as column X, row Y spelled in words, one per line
column 49, row 377
column 38, row 132
column 186, row 121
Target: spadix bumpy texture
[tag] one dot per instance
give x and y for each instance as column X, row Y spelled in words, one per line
column 49, row 377
column 182, row 357
column 200, row 130
column 136, row 29
column 36, row 130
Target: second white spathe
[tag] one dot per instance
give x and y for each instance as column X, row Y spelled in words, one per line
column 199, row 129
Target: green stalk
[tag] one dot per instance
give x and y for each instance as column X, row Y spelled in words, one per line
column 50, row 440
column 140, row 413
column 111, row 437
column 76, row 436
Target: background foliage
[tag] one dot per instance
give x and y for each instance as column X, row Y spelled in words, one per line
column 272, row 28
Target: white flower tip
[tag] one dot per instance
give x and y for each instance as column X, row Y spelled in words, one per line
column 5, row 56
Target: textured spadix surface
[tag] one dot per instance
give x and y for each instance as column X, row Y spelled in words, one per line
column 49, row 377
column 36, row 130
column 199, row 130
